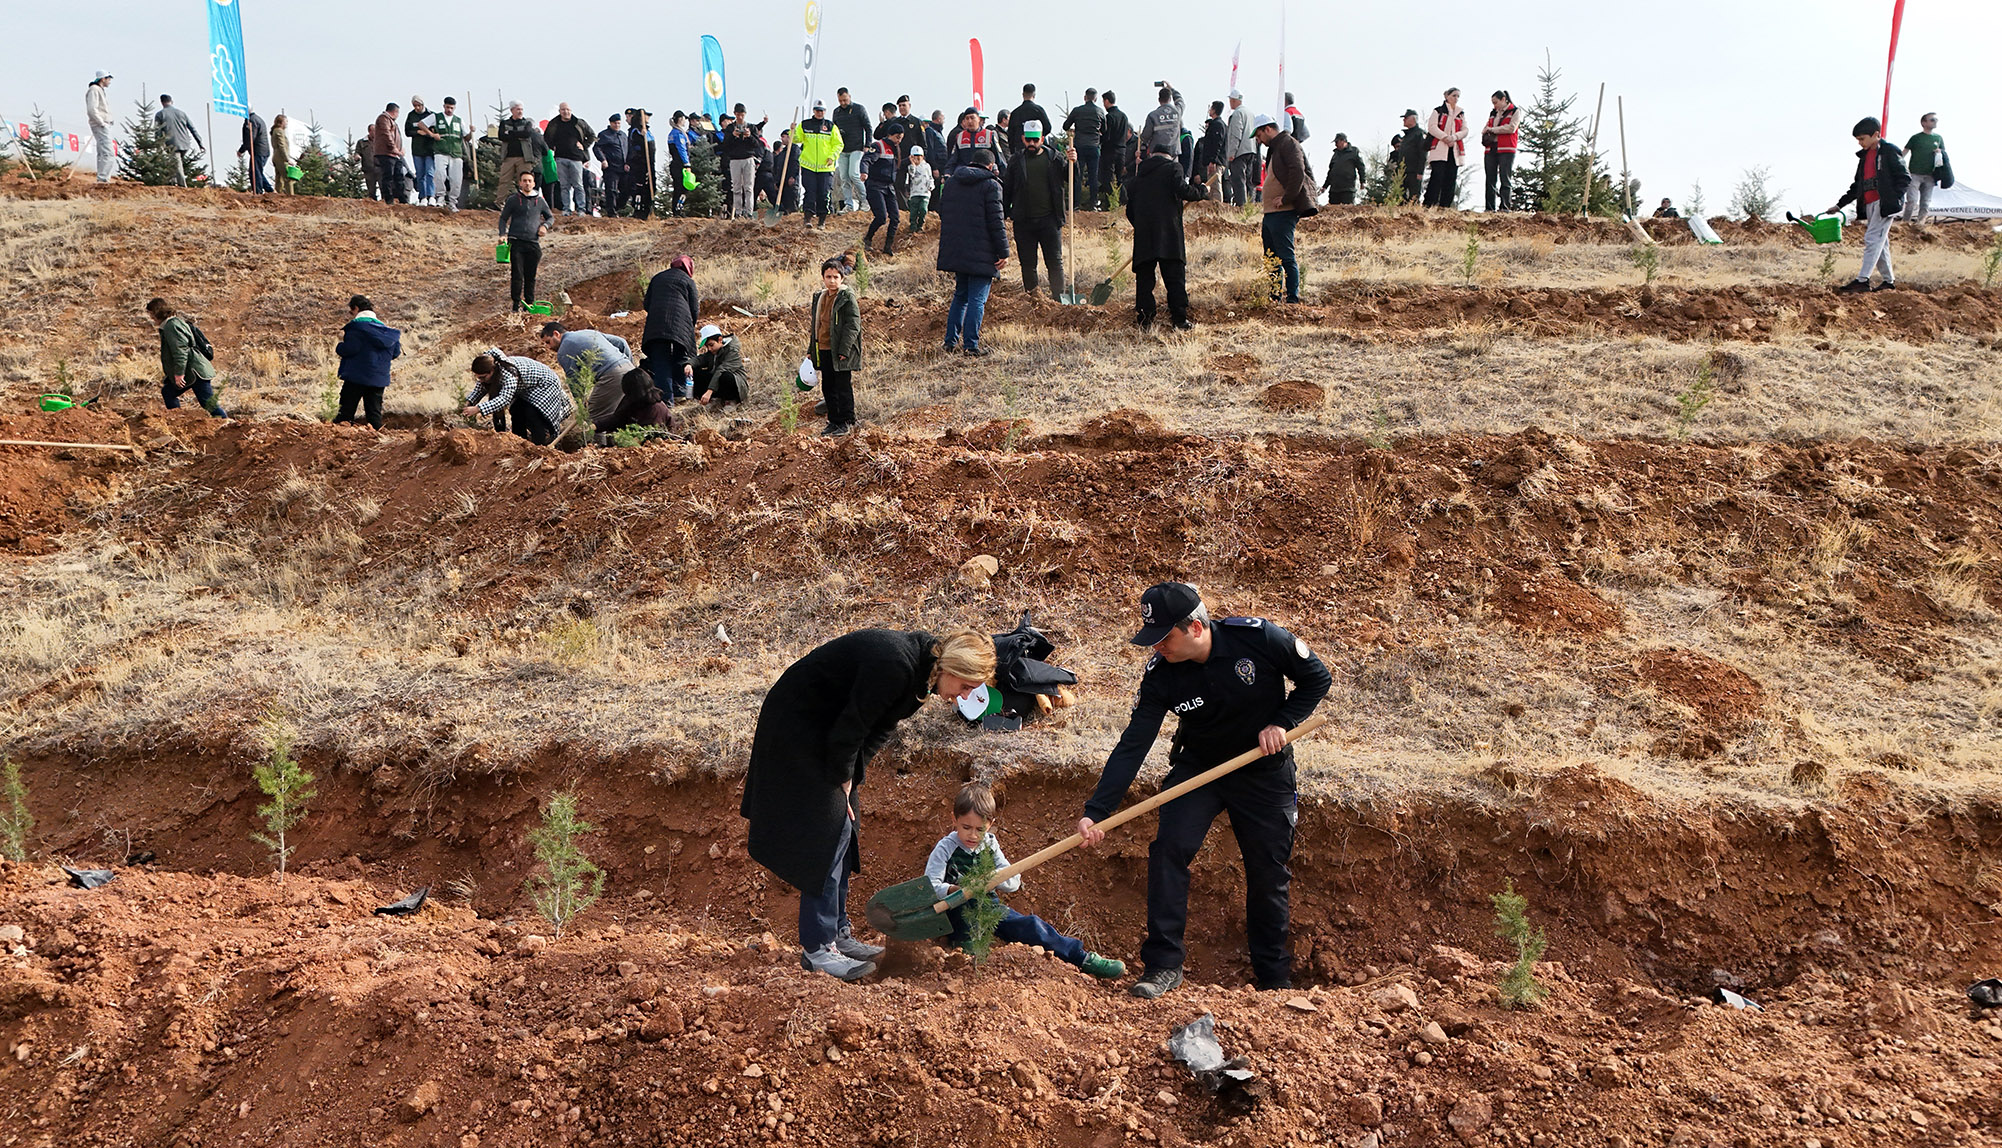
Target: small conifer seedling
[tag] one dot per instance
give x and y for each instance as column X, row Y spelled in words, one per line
column 1519, row 986
column 570, row 882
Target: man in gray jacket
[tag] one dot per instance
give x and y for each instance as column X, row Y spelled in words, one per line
column 178, row 131
column 1240, row 154
column 1163, row 126
column 606, row 358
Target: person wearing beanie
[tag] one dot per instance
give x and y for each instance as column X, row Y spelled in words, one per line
column 1498, row 141
column 1878, row 191
column 1032, row 193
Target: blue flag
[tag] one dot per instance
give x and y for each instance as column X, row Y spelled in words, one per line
column 713, row 104
column 231, row 92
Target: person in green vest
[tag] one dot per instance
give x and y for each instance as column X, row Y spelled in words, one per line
column 1924, row 153
column 449, row 152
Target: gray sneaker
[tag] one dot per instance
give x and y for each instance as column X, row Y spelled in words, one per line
column 1155, row 983
column 849, row 947
column 830, row 961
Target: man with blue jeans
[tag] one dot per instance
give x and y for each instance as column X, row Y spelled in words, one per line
column 972, row 245
column 1878, row 191
column 852, row 122
column 570, row 138
column 1286, row 199
column 423, row 149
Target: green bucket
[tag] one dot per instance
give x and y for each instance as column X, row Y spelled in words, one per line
column 1824, row 228
column 54, row 402
column 540, row 307
column 501, row 252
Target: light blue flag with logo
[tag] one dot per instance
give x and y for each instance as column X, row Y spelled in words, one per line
column 713, row 104
column 230, row 90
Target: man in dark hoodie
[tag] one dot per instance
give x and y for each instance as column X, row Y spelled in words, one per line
column 1082, row 129
column 611, row 152
column 1032, row 191
column 1878, row 191
column 1154, row 207
column 972, row 245
column 1026, row 111
column 1345, row 171
column 1114, row 142
column 366, row 347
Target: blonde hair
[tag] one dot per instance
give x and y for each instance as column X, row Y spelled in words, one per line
column 964, row 653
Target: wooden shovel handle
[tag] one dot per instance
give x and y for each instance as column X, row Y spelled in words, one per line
column 1120, row 818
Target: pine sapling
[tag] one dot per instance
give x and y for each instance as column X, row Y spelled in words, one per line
column 1519, row 986
column 1646, row 258
column 15, row 820
column 1470, row 257
column 1691, row 402
column 570, row 882
column 1991, row 262
column 289, row 787
column 983, row 911
column 1827, row 264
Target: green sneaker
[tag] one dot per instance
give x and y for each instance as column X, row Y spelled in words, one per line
column 1104, row 968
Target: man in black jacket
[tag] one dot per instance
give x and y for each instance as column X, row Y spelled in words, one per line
column 668, row 339
column 1114, row 140
column 1878, row 191
column 570, row 138
column 856, row 135
column 1032, row 192
column 1226, row 684
column 1154, row 208
column 1025, row 112
column 1345, row 171
column 1081, row 130
column 1410, row 147
column 611, row 152
column 1209, row 150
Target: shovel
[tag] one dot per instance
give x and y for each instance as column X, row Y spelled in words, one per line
column 1103, row 291
column 911, row 911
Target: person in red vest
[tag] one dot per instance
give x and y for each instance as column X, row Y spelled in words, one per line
column 1447, row 128
column 1499, row 136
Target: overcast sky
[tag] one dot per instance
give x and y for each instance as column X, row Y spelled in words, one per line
column 1712, row 87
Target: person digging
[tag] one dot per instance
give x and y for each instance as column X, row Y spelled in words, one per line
column 1227, row 686
column 822, row 721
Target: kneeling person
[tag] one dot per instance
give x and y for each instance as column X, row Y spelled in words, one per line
column 719, row 369
column 1226, row 684
column 959, row 850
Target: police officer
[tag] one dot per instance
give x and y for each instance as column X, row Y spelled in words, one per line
column 1226, row 684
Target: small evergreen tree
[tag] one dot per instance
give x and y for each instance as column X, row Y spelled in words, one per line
column 1519, row 986
column 289, row 787
column 38, row 151
column 983, row 911
column 707, row 198
column 1384, row 179
column 15, row 820
column 346, row 173
column 486, row 191
column 148, row 156
column 1752, row 199
column 315, row 165
column 571, row 882
column 1693, row 206
column 238, row 178
column 1549, row 135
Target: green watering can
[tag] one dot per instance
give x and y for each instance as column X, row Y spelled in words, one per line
column 501, row 254
column 53, row 402
column 292, row 171
column 687, row 180
column 539, row 307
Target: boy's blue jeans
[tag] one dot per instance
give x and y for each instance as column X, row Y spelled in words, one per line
column 1023, row 929
column 969, row 307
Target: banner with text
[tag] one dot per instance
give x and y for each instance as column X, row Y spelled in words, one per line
column 812, row 53
column 229, row 89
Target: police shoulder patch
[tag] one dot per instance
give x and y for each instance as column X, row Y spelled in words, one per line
column 1247, row 623
column 1152, row 661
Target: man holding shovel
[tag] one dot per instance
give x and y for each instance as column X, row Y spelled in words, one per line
column 1226, row 684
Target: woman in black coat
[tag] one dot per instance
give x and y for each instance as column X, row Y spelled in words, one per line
column 668, row 340
column 822, row 721
column 972, row 245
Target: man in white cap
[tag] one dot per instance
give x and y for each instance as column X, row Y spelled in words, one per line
column 1286, row 200
column 1240, row 153
column 97, row 109
column 1032, row 193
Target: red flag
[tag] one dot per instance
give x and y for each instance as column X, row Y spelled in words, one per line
column 1897, row 21
column 979, row 78
column 1234, row 53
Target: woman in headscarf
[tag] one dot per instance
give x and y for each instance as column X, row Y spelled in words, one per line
column 822, row 721
column 668, row 341
column 640, row 404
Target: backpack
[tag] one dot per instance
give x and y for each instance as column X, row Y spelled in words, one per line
column 201, row 342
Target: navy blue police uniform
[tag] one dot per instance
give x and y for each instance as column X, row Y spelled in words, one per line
column 1220, row 705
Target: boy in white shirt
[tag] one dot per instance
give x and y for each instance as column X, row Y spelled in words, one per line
column 959, row 850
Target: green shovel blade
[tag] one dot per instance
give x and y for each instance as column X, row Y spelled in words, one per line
column 905, row 911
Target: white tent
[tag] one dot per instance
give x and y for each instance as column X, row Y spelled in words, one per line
column 1963, row 202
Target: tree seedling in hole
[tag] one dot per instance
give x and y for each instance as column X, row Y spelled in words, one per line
column 1691, row 402
column 289, row 787
column 1646, row 258
column 15, row 822
column 571, row 882
column 1470, row 258
column 1827, row 264
column 983, row 911
column 1519, row 986
column 1990, row 263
